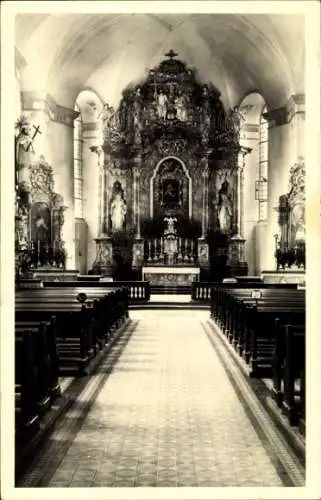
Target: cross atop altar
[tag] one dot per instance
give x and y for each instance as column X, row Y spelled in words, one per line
column 170, row 241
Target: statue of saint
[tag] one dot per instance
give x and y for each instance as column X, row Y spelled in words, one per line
column 224, row 208
column 162, row 105
column 118, row 212
column 180, row 104
column 225, row 214
column 41, row 231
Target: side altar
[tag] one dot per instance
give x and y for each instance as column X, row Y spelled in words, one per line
column 171, row 178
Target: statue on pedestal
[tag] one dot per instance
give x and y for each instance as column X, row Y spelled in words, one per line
column 162, row 105
column 224, row 208
column 118, row 211
column 180, row 104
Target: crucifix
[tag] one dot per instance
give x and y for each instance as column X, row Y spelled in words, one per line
column 36, row 132
column 171, row 54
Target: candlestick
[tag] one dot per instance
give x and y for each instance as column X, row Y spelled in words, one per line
column 180, row 257
column 38, row 252
column 149, row 251
column 155, row 250
column 185, row 251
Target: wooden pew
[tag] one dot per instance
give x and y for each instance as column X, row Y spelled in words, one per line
column 249, row 322
column 267, row 329
column 261, row 334
column 27, row 419
column 226, row 304
column 293, row 403
column 80, row 330
column 45, row 354
column 57, row 333
column 73, row 339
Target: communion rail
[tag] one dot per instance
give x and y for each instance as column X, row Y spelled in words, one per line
column 139, row 291
column 201, row 290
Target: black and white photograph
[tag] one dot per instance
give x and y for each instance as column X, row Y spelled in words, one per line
column 161, row 286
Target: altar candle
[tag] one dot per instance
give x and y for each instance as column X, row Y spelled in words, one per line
column 38, row 251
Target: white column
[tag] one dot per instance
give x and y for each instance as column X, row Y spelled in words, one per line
column 99, row 190
column 134, row 197
column 91, row 185
column 136, row 187
column 240, row 190
column 205, row 200
column 62, row 162
column 286, row 145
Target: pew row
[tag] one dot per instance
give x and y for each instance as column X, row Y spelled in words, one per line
column 57, row 334
column 267, row 328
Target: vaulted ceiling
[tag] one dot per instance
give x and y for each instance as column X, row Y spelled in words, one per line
column 105, row 52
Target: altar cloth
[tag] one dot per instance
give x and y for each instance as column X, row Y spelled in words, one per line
column 170, row 275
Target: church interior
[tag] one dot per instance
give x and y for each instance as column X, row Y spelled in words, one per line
column 159, row 250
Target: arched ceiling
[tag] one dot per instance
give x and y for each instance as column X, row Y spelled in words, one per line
column 105, row 52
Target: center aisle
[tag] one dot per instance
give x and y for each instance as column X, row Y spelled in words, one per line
column 167, row 415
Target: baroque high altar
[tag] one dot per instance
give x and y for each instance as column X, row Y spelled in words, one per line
column 171, row 177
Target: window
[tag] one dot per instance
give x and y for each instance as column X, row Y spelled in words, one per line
column 262, row 183
column 78, row 166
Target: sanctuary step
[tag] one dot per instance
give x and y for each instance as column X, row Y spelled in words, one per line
column 170, row 290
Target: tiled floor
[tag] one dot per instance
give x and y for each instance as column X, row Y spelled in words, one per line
column 167, row 414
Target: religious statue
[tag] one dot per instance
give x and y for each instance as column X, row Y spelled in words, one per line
column 162, row 105
column 298, row 222
column 180, row 104
column 224, row 207
column 170, row 225
column 106, row 113
column 237, row 118
column 225, row 214
column 41, row 228
column 171, row 104
column 118, row 212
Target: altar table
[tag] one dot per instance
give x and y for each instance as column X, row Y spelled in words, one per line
column 171, row 276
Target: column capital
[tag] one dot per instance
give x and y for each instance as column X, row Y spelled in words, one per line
column 99, row 151
column 284, row 114
column 96, row 149
column 39, row 101
column 244, row 150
